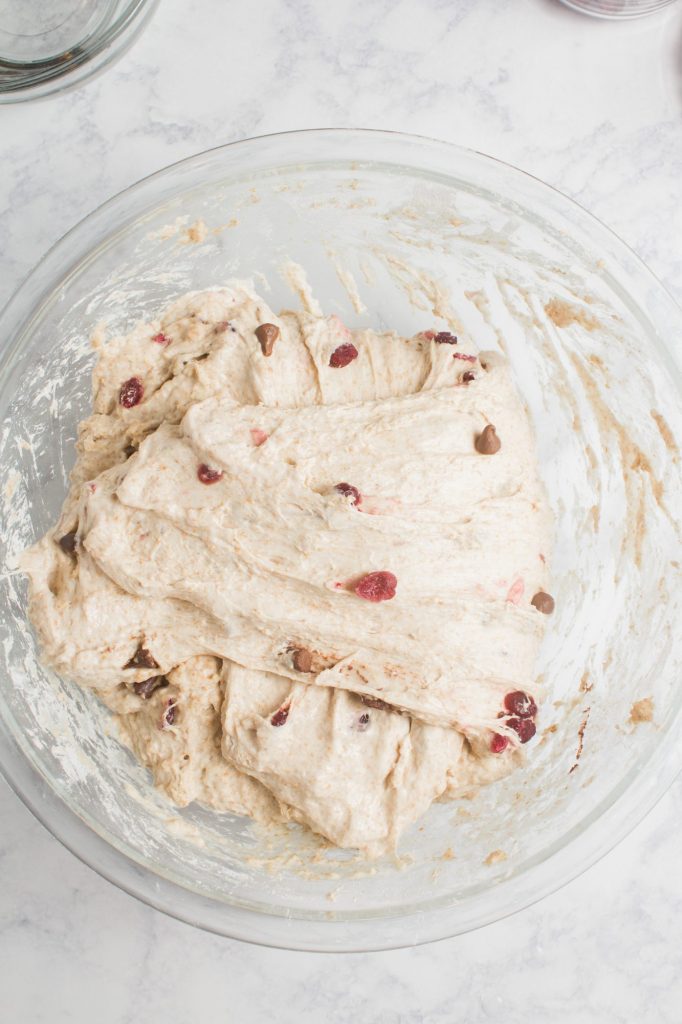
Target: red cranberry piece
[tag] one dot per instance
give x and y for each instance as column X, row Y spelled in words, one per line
column 498, row 743
column 468, row 377
column 377, row 586
column 464, row 356
column 169, row 714
column 523, row 727
column 258, row 437
column 131, row 393
column 521, row 704
column 445, row 338
column 515, row 592
column 149, row 686
column 161, row 339
column 208, row 475
column 349, row 491
column 280, row 716
column 343, row 355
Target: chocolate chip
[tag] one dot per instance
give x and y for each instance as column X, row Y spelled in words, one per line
column 374, row 702
column 142, row 658
column 363, row 723
column 129, row 450
column 146, row 688
column 267, row 335
column 303, row 660
column 68, row 543
column 543, row 602
column 488, row 443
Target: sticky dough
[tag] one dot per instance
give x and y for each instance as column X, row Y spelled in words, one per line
column 212, row 589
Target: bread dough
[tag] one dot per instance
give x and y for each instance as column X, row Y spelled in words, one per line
column 215, row 556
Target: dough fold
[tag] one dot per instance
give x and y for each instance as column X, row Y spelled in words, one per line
column 211, row 597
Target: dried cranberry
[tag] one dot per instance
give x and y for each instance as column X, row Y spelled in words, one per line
column 146, row 688
column 349, row 491
column 208, row 475
column 445, row 338
column 131, row 393
column 161, row 339
column 142, row 658
column 377, row 586
column 280, row 716
column 515, row 592
column 521, row 704
column 464, row 356
column 258, row 437
column 498, row 743
column 343, row 355
column 468, row 377
column 169, row 714
column 523, row 727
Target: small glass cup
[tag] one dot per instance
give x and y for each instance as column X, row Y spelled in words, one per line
column 48, row 47
column 618, row 8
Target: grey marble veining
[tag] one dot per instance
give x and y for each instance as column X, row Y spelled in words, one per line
column 593, row 108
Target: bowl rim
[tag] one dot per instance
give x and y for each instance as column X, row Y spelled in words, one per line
column 348, row 935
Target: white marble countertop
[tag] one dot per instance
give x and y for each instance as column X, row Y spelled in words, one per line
column 595, row 109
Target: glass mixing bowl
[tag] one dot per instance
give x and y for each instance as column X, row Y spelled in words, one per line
column 403, row 232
